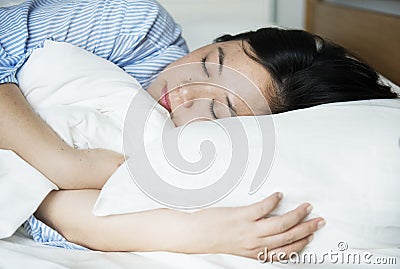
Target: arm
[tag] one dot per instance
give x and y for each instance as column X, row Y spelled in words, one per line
column 240, row 231
column 24, row 132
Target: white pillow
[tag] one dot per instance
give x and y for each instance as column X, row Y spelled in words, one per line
column 343, row 158
column 84, row 99
column 388, row 82
column 22, row 189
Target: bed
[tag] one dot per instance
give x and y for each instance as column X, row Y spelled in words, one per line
column 337, row 22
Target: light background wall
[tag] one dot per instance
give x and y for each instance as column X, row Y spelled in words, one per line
column 290, row 13
column 204, row 20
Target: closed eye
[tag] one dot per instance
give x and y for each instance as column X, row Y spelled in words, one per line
column 212, row 109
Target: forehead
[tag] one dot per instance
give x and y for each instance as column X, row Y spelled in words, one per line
column 248, row 80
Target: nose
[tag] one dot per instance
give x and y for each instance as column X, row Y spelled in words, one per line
column 186, row 96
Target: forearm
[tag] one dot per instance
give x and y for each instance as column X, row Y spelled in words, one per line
column 240, row 231
column 25, row 133
column 70, row 213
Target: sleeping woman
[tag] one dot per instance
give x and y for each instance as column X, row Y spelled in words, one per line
column 293, row 69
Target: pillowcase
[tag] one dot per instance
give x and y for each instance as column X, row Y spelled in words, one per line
column 386, row 81
column 342, row 157
column 84, row 99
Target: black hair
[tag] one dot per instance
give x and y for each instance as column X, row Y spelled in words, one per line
column 307, row 70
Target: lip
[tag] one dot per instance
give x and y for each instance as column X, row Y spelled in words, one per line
column 164, row 99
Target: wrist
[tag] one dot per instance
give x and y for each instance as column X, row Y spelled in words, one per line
column 181, row 232
column 97, row 165
column 207, row 231
column 68, row 167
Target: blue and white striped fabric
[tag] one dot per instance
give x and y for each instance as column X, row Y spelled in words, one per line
column 137, row 35
column 45, row 235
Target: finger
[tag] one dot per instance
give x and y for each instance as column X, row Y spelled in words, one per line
column 294, row 234
column 282, row 223
column 261, row 209
column 285, row 252
column 266, row 254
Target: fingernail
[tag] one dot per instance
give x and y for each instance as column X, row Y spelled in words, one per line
column 280, row 195
column 310, row 238
column 309, row 208
column 321, row 224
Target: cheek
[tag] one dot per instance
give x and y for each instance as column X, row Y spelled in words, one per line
column 199, row 111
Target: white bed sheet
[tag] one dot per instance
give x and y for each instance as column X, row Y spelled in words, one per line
column 19, row 251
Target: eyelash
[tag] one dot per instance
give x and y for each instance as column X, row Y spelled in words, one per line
column 203, row 61
column 212, row 109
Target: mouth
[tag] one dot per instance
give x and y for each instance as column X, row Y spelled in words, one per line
column 164, row 99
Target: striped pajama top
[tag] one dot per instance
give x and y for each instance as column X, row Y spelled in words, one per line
column 137, row 35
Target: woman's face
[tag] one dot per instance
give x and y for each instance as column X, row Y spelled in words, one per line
column 212, row 82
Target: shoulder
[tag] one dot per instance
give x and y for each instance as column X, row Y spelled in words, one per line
column 147, row 18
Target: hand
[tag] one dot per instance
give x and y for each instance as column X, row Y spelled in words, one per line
column 245, row 231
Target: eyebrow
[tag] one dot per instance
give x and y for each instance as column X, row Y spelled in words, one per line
column 221, row 57
column 231, row 108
